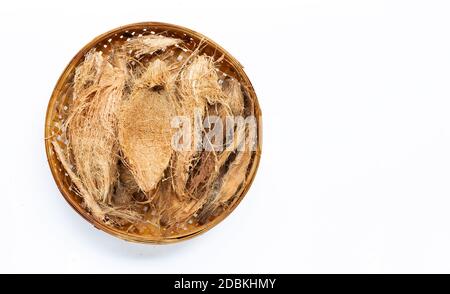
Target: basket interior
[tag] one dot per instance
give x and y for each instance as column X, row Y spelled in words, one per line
column 60, row 103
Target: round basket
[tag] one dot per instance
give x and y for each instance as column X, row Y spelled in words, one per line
column 59, row 103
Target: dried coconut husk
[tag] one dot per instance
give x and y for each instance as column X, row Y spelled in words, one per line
column 91, row 125
column 234, row 98
column 200, row 81
column 147, row 45
column 144, row 128
column 204, row 176
column 198, row 85
column 232, row 164
column 89, row 199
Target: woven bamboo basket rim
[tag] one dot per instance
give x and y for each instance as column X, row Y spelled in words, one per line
column 58, row 174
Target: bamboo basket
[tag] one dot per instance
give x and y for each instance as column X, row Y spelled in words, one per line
column 59, row 103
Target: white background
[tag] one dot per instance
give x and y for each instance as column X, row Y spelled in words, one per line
column 355, row 172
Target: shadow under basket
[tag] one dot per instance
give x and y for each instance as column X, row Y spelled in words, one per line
column 60, row 102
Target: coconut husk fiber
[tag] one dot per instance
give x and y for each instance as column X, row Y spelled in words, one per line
column 118, row 135
column 144, row 126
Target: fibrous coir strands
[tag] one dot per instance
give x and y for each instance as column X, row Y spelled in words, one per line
column 149, row 44
column 91, row 126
